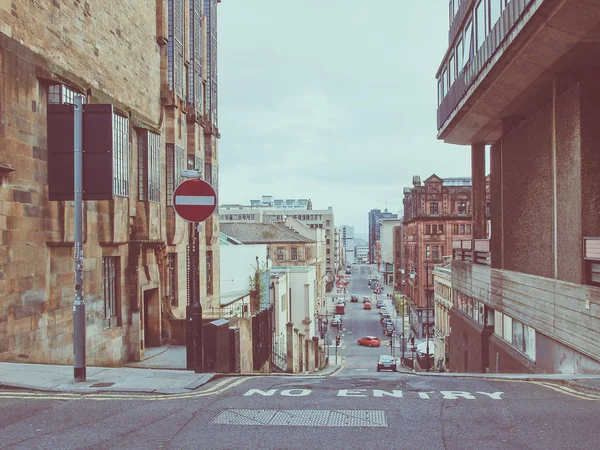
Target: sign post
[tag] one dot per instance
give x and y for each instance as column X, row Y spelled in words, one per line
column 194, row 200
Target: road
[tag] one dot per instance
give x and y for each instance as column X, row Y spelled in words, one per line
column 358, row 408
column 309, row 412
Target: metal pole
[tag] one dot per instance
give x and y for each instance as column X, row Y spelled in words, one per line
column 403, row 337
column 196, row 305
column 79, row 305
column 427, row 312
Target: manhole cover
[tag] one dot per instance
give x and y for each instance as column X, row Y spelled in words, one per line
column 101, row 385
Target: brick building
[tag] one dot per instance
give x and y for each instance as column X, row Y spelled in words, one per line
column 522, row 77
column 160, row 78
column 435, row 213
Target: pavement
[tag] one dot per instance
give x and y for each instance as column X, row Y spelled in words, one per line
column 161, row 372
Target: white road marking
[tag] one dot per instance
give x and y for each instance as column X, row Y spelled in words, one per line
column 194, row 200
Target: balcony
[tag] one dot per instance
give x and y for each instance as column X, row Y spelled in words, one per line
column 476, row 251
column 511, row 74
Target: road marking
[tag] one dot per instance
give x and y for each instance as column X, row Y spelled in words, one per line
column 302, row 417
column 218, row 388
column 568, row 391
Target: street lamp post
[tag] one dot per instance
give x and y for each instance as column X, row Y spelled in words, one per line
column 427, row 311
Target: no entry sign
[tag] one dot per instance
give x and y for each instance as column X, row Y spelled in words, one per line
column 194, row 200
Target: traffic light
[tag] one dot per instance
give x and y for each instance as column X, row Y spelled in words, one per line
column 337, row 340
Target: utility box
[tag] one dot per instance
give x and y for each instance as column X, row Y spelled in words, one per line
column 234, row 350
column 216, row 346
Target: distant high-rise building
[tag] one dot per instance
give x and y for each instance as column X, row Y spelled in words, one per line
column 375, row 217
column 347, row 236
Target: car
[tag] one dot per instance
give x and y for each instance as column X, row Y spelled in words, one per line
column 388, row 330
column 366, row 298
column 369, row 341
column 367, row 305
column 383, row 310
column 354, row 298
column 384, row 317
column 380, row 304
column 387, row 362
column 336, row 322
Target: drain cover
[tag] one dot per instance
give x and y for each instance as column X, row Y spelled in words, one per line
column 303, row 417
column 102, row 385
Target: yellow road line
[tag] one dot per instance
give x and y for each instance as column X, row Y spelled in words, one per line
column 568, row 391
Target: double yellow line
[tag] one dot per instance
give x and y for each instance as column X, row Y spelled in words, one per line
column 218, row 388
column 583, row 395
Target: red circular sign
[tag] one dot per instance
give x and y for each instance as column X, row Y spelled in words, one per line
column 194, row 200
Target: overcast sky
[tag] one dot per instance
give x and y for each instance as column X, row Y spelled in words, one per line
column 332, row 100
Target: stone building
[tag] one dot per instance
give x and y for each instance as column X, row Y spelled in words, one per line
column 160, row 78
column 435, row 213
column 442, row 286
column 522, row 77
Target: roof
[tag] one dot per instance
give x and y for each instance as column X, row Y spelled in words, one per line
column 263, row 233
column 228, row 240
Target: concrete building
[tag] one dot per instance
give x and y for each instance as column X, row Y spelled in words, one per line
column 268, row 213
column 347, row 234
column 434, row 215
column 362, row 253
column 162, row 118
column 375, row 218
column 442, row 287
column 268, row 201
column 522, row 77
column 388, row 249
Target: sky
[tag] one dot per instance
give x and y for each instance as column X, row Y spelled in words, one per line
column 331, row 100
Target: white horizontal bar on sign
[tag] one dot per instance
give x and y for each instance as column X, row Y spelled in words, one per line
column 194, row 200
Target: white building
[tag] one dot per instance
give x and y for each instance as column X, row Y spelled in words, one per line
column 347, row 236
column 362, row 253
column 239, row 262
column 269, row 202
column 301, row 304
column 386, row 239
column 442, row 285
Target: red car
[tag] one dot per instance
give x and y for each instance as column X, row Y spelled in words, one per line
column 369, row 341
column 367, row 305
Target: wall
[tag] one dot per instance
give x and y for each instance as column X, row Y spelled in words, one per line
column 468, row 344
column 556, row 309
column 238, row 264
column 245, row 324
column 303, row 300
column 97, row 44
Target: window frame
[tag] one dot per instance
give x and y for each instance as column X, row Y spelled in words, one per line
column 121, row 159
column 111, row 291
column 149, row 164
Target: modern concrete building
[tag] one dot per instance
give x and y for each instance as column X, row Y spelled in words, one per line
column 398, row 258
column 268, row 213
column 387, row 249
column 362, row 253
column 157, row 73
column 522, row 77
column 434, row 215
column 375, row 218
column 347, row 235
column 268, row 201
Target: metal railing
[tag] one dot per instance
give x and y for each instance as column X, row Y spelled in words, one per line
column 476, row 251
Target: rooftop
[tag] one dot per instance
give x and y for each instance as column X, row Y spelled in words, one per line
column 261, row 233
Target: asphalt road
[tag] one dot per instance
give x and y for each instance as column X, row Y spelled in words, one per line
column 358, row 408
column 349, row 412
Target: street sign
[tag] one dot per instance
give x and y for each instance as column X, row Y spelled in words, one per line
column 194, row 200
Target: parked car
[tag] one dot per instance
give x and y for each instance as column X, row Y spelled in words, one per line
column 336, row 322
column 367, row 305
column 388, row 330
column 387, row 362
column 380, row 303
column 354, row 298
column 385, row 316
column 369, row 341
column 383, row 310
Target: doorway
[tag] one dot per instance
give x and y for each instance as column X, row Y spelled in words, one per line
column 150, row 333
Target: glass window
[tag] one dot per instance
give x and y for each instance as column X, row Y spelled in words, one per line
column 496, row 7
column 60, row 93
column 280, row 254
column 427, row 229
column 209, row 272
column 121, row 155
column 498, row 323
column 440, row 229
column 445, row 81
column 294, row 254
column 452, row 68
column 148, row 166
column 468, row 46
column 435, row 253
column 517, row 335
column 468, row 229
column 175, row 165
column 433, row 229
column 529, row 341
column 433, row 208
column 462, row 228
column 462, row 207
column 460, row 61
column 507, row 329
column 481, row 25
column 110, row 285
